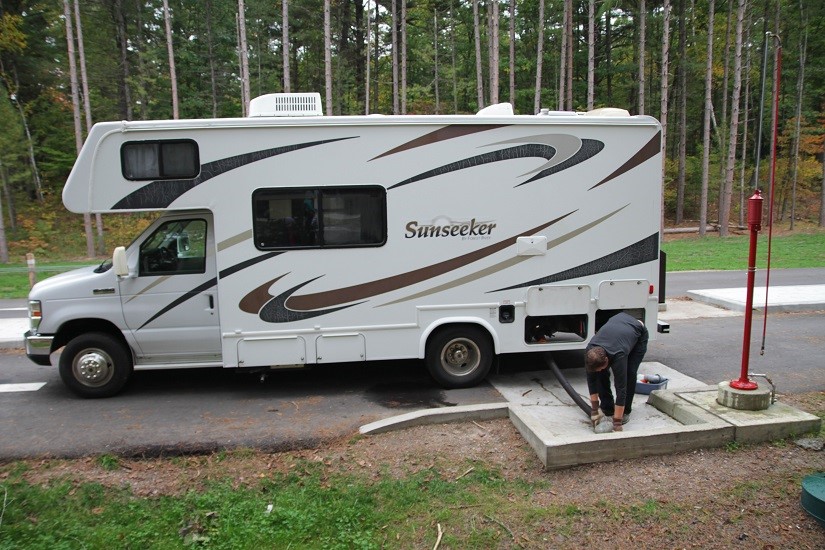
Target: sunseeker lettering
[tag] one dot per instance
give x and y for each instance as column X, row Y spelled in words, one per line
column 469, row 229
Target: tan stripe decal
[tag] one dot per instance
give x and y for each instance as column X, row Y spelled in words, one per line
column 653, row 147
column 502, row 265
column 359, row 292
column 148, row 287
column 442, row 134
column 232, row 241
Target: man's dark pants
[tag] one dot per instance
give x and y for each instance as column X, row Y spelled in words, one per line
column 634, row 359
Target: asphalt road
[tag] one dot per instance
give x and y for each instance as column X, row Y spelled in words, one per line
column 174, row 412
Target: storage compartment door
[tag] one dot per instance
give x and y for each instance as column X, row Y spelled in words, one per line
column 627, row 294
column 558, row 300
column 340, row 348
column 271, row 351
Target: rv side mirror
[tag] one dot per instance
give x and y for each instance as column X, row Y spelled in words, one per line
column 119, row 262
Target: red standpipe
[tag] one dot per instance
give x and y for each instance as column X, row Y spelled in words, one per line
column 754, row 225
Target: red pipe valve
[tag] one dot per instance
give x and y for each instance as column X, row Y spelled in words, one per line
column 755, row 211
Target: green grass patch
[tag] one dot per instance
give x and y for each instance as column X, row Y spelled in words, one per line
column 308, row 508
column 14, row 277
column 730, row 253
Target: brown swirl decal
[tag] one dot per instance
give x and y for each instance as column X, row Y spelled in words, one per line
column 286, row 307
column 650, row 150
column 442, row 134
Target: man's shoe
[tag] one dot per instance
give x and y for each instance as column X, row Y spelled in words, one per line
column 625, row 418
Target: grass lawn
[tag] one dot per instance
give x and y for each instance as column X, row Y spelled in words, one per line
column 712, row 252
column 14, row 277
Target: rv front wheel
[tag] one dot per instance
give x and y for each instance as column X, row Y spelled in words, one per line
column 95, row 365
column 459, row 357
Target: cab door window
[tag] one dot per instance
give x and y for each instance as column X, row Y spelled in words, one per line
column 177, row 247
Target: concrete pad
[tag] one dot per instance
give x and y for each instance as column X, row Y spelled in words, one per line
column 561, row 434
column 691, row 309
column 780, row 298
column 776, row 422
column 561, row 440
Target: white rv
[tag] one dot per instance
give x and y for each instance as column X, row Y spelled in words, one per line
column 305, row 239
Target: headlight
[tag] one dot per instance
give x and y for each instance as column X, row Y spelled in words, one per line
column 35, row 315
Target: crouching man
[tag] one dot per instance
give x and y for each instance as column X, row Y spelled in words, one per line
column 619, row 346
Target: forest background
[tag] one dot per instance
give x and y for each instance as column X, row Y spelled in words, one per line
column 707, row 69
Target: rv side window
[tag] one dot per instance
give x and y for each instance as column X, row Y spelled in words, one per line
column 152, row 160
column 177, row 247
column 315, row 218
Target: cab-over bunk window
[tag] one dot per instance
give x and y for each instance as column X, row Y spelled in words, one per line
column 158, row 160
column 328, row 217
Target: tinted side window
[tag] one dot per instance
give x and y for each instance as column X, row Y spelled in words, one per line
column 152, row 160
column 314, row 218
column 177, row 247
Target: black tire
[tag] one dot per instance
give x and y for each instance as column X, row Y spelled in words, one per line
column 95, row 365
column 459, row 356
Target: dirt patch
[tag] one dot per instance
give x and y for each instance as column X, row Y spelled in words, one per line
column 739, row 497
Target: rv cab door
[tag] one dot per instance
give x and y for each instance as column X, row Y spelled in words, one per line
column 170, row 298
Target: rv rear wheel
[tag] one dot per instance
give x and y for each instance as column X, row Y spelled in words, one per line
column 460, row 356
column 95, row 365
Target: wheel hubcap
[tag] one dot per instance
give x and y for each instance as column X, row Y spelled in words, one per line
column 93, row 367
column 461, row 357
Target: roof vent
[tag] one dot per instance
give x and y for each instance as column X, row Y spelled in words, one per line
column 302, row 104
column 497, row 109
column 608, row 111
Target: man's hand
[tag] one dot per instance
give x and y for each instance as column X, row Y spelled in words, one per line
column 617, row 424
column 595, row 413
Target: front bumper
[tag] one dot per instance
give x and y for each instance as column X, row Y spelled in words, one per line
column 38, row 347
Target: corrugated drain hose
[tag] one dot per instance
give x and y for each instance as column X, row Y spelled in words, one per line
column 580, row 401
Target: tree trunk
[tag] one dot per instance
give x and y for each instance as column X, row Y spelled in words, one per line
column 376, row 53
column 9, row 199
column 140, row 51
column 4, row 245
column 78, row 130
column 123, row 45
column 539, row 58
column 822, row 191
column 494, row 51
column 210, row 39
column 328, row 55
column 395, row 98
column 435, row 62
column 745, row 120
column 403, row 57
column 608, row 46
column 562, row 56
column 703, row 204
column 477, row 36
column 244, row 50
column 642, row 46
column 591, row 52
column 452, row 55
column 173, row 77
column 367, row 82
column 680, row 181
column 84, row 81
column 800, row 86
column 734, row 120
column 569, row 54
column 513, row 53
column 665, row 87
column 722, row 139
column 285, row 43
